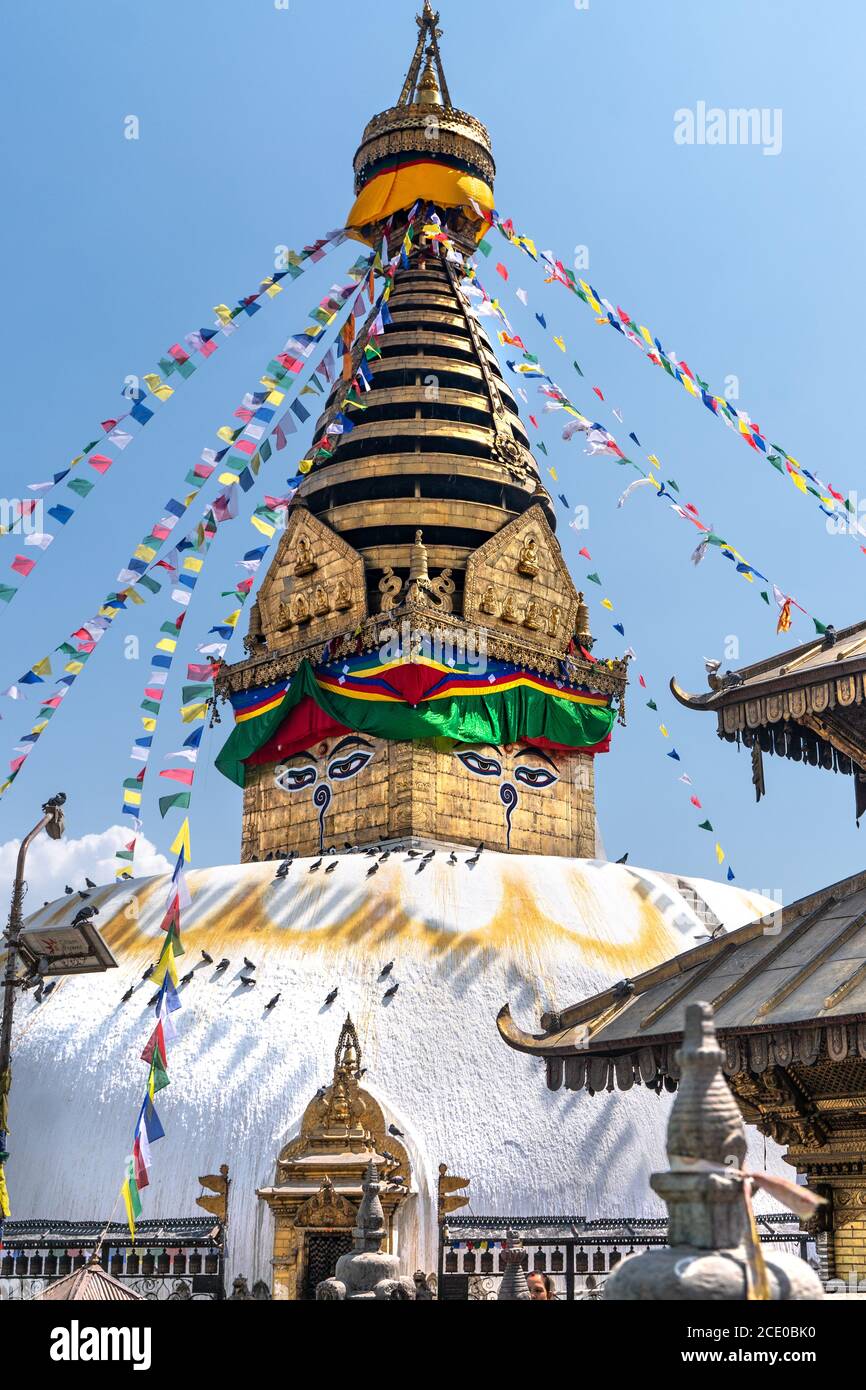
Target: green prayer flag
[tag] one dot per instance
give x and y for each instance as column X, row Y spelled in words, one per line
column 179, row 801
column 651, row 704
column 819, row 627
column 705, row 825
column 595, row 579
column 576, row 366
column 765, row 596
column 81, row 485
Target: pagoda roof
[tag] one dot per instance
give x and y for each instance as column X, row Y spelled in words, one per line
column 791, row 986
column 89, row 1284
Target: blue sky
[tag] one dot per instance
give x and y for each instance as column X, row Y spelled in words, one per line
column 249, row 115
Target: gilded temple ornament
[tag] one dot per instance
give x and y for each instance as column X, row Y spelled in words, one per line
column 389, row 587
column 343, row 596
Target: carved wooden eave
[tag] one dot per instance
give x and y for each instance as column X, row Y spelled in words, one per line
column 808, row 704
column 609, row 678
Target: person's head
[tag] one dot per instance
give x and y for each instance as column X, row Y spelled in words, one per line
column 541, row 1286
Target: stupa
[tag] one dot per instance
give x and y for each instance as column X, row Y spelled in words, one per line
column 418, row 719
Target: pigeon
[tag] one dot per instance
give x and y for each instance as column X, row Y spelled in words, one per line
column 362, row 1072
column 386, row 970
column 249, row 964
column 331, row 867
column 224, row 963
column 272, row 1003
column 385, row 857
column 624, row 859
column 82, row 894
column 208, row 960
column 452, row 858
column 397, row 1133
column 473, row 861
column 89, row 882
column 431, row 854
column 185, row 979
column 283, row 870
column 332, row 996
column 373, row 869
column 128, row 995
column 84, row 914
column 390, row 1158
column 346, row 846
column 397, row 1181
column 248, row 980
column 68, row 891
column 314, row 867
column 389, row 993
column 44, row 990
column 322, row 1091
column 371, row 853
column 413, row 853
column 152, row 1001
column 149, row 971
column 713, row 935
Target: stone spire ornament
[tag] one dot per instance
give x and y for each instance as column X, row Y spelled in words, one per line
column 514, row 1288
column 366, row 1272
column 714, row 1253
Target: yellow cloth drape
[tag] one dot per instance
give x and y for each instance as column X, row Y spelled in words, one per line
column 395, row 189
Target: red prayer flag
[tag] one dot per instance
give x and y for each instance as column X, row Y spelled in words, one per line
column 101, row 462
column 21, row 565
column 585, row 553
column 502, row 271
column 179, row 774
column 695, row 802
column 598, row 393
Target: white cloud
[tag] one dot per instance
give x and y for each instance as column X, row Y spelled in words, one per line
column 52, row 864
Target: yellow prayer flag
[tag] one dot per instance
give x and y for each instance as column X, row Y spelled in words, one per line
column 148, row 724
column 192, row 562
column 231, row 620
column 560, row 344
column 159, row 388
column 226, row 434
column 40, row 728
column 553, row 474
column 144, row 552
column 74, row 667
column 166, row 644
column 190, row 713
column 43, row 667
column 227, row 479
column 181, row 842
column 263, row 526
column 606, row 603
column 647, row 336
column 5, row 1209
column 798, row 481
column 720, row 854
column 130, row 1215
column 268, row 381
column 223, row 312
column 663, row 731
column 275, row 398
column 134, row 596
column 132, row 798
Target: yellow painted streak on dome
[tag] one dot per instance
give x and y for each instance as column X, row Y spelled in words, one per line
column 517, row 927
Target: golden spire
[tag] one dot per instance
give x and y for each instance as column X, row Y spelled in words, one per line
column 419, row 91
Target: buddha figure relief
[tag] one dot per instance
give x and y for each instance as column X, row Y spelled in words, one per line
column 529, row 563
column 304, row 562
column 509, row 613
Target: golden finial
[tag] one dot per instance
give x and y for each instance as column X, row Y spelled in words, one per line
column 428, row 86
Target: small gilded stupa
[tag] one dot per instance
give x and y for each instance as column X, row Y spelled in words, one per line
column 418, row 682
column 419, row 657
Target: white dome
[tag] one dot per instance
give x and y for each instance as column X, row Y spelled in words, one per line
column 540, row 933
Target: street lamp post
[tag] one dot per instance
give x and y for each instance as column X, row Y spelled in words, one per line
column 52, row 823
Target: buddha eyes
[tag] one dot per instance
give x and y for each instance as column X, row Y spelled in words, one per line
column 481, row 767
column 294, row 779
column 535, row 776
column 341, row 769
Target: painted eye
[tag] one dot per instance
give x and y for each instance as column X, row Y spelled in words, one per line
column 479, row 766
column 294, row 779
column 535, row 776
column 341, row 769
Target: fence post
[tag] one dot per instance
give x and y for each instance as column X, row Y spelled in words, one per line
column 569, row 1271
